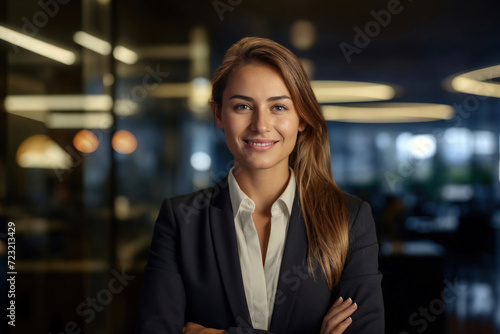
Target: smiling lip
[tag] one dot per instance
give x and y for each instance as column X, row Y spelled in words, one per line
column 264, row 141
column 260, row 144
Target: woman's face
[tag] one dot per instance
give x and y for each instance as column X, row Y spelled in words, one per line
column 258, row 118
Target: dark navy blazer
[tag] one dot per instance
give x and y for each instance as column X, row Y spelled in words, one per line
column 193, row 272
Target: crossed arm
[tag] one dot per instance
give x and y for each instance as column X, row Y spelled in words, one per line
column 360, row 281
column 335, row 322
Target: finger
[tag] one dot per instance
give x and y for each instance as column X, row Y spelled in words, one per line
column 337, row 302
column 186, row 327
column 332, row 322
column 339, row 308
column 189, row 327
column 342, row 326
column 340, row 317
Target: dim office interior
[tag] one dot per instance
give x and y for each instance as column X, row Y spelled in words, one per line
column 105, row 113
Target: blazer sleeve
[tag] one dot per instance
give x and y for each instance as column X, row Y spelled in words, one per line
column 361, row 279
column 162, row 301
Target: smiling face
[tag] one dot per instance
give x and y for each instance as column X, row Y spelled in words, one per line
column 258, row 118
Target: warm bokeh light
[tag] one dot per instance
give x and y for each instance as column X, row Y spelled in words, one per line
column 125, row 107
column 201, row 90
column 79, row 121
column 388, row 112
column 53, row 102
column 125, row 55
column 338, row 91
column 477, row 82
column 124, row 142
column 122, row 207
column 92, row 43
column 85, row 141
column 39, row 151
column 45, row 49
column 303, row 34
column 327, row 91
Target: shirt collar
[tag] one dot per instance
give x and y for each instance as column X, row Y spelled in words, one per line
column 239, row 198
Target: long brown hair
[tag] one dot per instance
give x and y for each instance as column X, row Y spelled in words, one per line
column 322, row 202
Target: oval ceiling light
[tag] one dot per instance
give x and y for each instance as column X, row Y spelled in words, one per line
column 335, row 91
column 89, row 102
column 326, row 91
column 477, row 82
column 388, row 112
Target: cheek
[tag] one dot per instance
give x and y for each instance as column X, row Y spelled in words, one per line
column 236, row 123
column 289, row 129
column 232, row 128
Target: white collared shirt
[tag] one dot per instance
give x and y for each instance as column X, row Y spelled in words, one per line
column 260, row 281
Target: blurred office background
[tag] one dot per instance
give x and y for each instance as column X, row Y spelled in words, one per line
column 109, row 115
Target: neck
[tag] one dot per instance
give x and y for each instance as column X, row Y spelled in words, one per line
column 263, row 186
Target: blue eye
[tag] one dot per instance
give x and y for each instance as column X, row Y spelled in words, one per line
column 242, row 107
column 279, row 108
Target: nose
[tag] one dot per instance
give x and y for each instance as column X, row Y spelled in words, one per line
column 261, row 121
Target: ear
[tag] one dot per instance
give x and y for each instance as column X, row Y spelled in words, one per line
column 302, row 126
column 217, row 113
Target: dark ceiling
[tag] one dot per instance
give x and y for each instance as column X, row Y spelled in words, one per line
column 423, row 43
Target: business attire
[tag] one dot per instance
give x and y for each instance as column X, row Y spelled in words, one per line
column 260, row 280
column 202, row 268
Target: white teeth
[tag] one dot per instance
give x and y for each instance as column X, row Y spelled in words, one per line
column 260, row 144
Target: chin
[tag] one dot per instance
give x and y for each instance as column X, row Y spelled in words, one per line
column 253, row 164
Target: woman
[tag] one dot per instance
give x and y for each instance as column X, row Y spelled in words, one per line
column 275, row 245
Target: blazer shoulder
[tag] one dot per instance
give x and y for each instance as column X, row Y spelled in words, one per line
column 190, row 198
column 358, row 210
column 216, row 195
column 187, row 208
column 353, row 204
column 361, row 220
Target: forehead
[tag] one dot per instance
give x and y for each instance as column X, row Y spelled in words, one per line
column 256, row 79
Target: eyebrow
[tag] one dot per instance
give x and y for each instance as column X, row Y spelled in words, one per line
column 248, row 98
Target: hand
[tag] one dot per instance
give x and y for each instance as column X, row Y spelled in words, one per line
column 192, row 328
column 337, row 319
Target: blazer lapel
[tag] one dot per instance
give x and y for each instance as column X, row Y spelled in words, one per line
column 226, row 251
column 294, row 255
